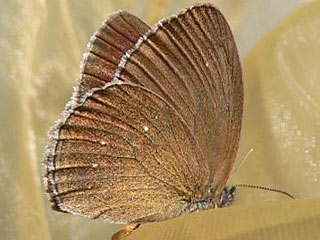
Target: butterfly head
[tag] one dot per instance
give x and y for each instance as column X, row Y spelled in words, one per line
column 227, row 197
column 211, row 200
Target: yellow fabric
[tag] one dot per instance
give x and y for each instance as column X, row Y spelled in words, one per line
column 41, row 43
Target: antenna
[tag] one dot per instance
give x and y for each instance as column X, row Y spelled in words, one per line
column 241, row 162
column 265, row 188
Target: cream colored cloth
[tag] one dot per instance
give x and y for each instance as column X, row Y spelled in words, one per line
column 41, row 43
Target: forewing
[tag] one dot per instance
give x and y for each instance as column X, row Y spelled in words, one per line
column 191, row 60
column 124, row 155
column 118, row 34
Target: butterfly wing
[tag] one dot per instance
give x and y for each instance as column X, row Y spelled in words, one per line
column 191, row 60
column 135, row 152
column 118, row 34
column 124, row 155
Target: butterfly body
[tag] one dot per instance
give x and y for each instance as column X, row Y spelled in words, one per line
column 204, row 203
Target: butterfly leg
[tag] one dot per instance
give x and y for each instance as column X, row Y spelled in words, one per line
column 121, row 235
column 130, row 228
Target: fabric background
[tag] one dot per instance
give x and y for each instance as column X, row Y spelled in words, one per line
column 41, row 44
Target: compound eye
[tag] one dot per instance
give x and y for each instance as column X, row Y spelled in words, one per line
column 232, row 190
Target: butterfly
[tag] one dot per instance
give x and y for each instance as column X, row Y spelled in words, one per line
column 152, row 129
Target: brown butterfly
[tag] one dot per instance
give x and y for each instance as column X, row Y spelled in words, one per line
column 153, row 127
